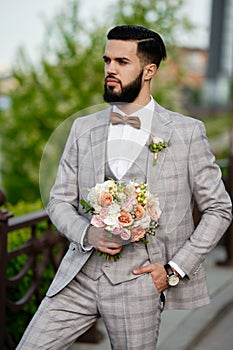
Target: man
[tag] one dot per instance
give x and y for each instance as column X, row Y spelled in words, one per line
column 129, row 293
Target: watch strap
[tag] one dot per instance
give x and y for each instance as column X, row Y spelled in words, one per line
column 168, row 269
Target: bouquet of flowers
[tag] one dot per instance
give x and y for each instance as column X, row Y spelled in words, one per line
column 124, row 209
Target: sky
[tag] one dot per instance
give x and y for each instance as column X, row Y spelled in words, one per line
column 21, row 24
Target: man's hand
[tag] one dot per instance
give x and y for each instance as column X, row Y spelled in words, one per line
column 158, row 274
column 100, row 239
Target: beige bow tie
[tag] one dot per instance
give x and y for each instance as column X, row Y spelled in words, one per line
column 117, row 118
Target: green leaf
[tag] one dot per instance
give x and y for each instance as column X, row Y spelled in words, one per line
column 86, row 206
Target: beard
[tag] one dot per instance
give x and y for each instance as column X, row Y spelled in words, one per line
column 127, row 94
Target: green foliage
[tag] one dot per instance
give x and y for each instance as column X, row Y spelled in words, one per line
column 218, row 123
column 69, row 78
column 86, row 206
column 219, row 129
column 23, row 207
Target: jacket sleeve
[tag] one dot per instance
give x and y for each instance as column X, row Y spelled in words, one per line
column 64, row 197
column 212, row 200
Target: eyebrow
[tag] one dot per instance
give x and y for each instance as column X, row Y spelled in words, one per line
column 117, row 58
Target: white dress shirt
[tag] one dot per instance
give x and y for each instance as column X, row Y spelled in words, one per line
column 126, row 142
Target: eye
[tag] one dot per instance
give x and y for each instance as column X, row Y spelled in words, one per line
column 106, row 59
column 122, row 61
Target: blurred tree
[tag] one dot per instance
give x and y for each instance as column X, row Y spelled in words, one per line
column 70, row 78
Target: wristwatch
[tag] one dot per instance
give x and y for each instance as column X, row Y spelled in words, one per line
column 172, row 277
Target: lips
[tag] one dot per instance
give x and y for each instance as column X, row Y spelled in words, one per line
column 110, row 81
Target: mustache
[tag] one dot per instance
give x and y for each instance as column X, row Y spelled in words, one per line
column 110, row 76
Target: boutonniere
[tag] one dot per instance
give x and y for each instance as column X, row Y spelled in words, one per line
column 156, row 145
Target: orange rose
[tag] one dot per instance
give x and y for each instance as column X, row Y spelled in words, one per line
column 105, row 200
column 139, row 212
column 137, row 233
column 125, row 218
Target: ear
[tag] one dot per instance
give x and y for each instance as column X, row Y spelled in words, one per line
column 149, row 71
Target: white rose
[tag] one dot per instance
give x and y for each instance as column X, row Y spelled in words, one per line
column 156, row 139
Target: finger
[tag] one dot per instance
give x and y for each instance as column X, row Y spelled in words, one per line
column 112, row 244
column 109, row 250
column 143, row 269
column 161, row 288
column 113, row 240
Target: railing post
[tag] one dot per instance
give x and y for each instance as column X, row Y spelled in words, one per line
column 229, row 235
column 228, row 238
column 4, row 216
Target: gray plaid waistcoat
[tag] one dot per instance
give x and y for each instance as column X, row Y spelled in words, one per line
column 132, row 255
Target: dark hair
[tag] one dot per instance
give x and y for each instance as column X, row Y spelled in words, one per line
column 151, row 47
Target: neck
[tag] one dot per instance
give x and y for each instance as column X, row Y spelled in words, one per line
column 141, row 101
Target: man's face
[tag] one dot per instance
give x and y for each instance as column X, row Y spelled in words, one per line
column 123, row 71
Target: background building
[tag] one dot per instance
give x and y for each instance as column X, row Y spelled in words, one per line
column 218, row 85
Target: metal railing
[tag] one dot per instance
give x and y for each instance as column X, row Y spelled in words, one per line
column 39, row 244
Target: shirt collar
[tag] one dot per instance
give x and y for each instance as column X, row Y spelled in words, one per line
column 145, row 114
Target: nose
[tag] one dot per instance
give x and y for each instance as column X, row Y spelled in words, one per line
column 110, row 68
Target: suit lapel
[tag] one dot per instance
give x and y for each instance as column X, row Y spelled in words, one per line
column 99, row 135
column 161, row 127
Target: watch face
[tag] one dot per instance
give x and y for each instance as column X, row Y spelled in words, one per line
column 173, row 280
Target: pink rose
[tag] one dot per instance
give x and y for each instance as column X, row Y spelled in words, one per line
column 128, row 206
column 125, row 234
column 137, row 233
column 103, row 212
column 117, row 231
column 153, row 212
column 97, row 221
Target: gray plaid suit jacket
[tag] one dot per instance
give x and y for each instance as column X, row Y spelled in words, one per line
column 185, row 171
